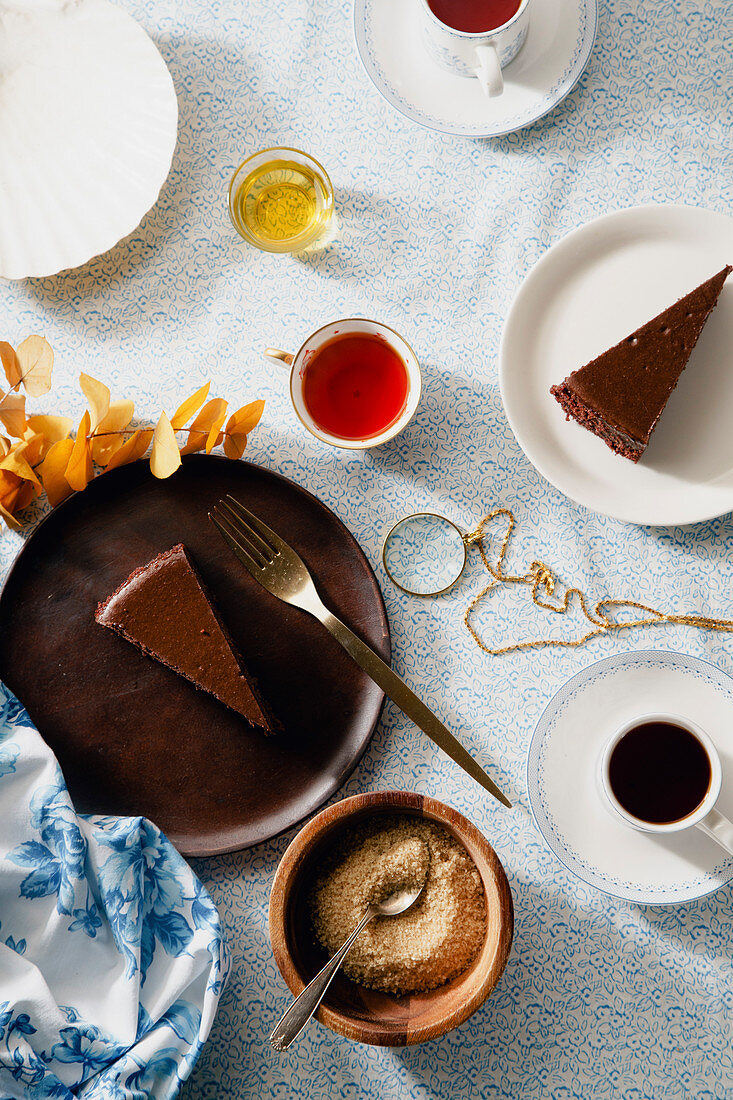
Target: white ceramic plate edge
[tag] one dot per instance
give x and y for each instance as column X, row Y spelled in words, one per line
column 546, row 260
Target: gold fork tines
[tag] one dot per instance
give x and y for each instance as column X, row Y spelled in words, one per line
column 257, row 551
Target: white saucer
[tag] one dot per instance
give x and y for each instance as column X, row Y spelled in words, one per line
column 389, row 41
column 88, row 122
column 562, row 776
column 590, row 290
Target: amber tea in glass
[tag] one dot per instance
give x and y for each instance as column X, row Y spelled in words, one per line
column 281, row 200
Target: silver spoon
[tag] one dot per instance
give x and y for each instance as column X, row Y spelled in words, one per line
column 297, row 1016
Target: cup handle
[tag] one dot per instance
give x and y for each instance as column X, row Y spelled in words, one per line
column 719, row 828
column 282, row 358
column 489, row 70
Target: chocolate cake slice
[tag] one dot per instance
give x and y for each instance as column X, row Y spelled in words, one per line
column 164, row 609
column 621, row 395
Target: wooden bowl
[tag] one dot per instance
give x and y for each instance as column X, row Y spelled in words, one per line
column 368, row 1015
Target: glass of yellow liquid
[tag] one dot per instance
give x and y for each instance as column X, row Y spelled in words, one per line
column 281, row 200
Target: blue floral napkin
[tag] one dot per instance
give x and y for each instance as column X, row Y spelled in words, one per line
column 111, row 953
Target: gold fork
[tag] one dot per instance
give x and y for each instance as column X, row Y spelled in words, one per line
column 278, row 568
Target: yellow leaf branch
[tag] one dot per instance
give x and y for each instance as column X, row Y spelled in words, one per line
column 39, row 453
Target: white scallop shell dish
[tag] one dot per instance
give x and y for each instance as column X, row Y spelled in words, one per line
column 88, row 123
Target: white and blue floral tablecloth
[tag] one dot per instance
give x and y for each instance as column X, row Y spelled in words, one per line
column 599, row 999
column 111, row 953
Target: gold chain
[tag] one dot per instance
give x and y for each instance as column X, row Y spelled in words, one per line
column 543, row 582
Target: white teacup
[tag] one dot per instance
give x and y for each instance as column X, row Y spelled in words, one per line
column 704, row 816
column 480, row 55
column 298, row 365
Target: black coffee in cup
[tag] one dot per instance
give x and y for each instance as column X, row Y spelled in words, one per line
column 659, row 772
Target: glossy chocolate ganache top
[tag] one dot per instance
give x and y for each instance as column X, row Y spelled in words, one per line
column 164, row 609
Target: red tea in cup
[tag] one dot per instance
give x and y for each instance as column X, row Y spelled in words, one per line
column 355, row 386
column 474, row 16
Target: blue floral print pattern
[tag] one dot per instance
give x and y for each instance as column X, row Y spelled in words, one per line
column 114, row 898
column 56, row 864
column 141, row 892
column 8, row 751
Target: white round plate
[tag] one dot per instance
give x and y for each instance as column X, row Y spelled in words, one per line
column 562, row 776
column 549, row 65
column 88, row 121
column 590, row 290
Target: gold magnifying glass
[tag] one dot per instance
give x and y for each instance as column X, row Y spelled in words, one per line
column 424, row 554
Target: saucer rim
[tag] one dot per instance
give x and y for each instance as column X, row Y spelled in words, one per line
column 421, row 119
column 533, row 789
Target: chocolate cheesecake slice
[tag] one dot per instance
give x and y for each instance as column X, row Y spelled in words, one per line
column 164, row 609
column 620, row 395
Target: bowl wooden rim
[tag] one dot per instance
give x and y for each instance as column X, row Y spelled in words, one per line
column 492, row 874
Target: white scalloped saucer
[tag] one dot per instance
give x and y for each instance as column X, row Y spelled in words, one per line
column 88, row 123
column 562, row 770
column 549, row 65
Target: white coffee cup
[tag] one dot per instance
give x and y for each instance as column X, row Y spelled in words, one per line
column 298, row 365
column 704, row 817
column 481, row 55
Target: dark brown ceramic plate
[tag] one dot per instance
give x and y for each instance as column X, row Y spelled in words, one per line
column 131, row 736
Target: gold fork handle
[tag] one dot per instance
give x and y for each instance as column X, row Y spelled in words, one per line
column 407, row 701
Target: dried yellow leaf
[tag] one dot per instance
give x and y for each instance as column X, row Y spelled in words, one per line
column 215, row 433
column 52, row 470
column 9, row 483
column 51, row 429
column 36, row 363
column 245, row 419
column 11, row 366
column 118, row 417
column 196, row 442
column 109, row 437
column 26, row 493
column 15, row 462
column 15, row 493
column 35, row 447
column 104, row 450
column 79, row 470
column 12, row 413
column 213, row 413
column 10, row 519
column 239, row 424
column 235, row 445
column 18, row 483
column 214, row 439
column 132, row 450
column 4, row 446
column 97, row 395
column 165, row 458
column 191, row 405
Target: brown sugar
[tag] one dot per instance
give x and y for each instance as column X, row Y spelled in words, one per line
column 436, row 939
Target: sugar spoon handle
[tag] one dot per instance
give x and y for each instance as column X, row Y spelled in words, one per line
column 291, row 1024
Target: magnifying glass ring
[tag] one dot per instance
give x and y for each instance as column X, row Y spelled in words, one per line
column 424, row 554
